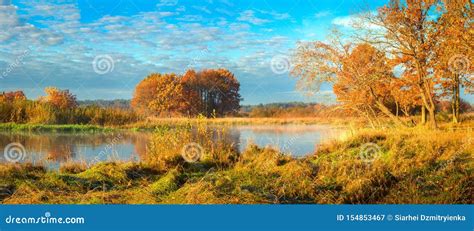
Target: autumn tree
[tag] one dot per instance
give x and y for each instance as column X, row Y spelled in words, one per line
column 208, row 92
column 159, row 94
column 62, row 99
column 408, row 32
column 9, row 97
column 212, row 92
column 452, row 63
column 170, row 95
column 144, row 93
column 406, row 97
column 367, row 72
column 361, row 75
column 12, row 106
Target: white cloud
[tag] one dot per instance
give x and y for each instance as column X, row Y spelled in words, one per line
column 345, row 21
column 227, row 2
column 203, row 9
column 63, row 47
column 167, row 3
column 224, row 11
column 322, row 14
column 275, row 15
column 249, row 16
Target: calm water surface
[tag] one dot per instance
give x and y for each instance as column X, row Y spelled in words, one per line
column 54, row 148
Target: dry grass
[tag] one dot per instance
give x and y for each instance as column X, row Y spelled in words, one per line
column 410, row 166
column 152, row 123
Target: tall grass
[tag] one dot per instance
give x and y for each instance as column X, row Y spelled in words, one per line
column 13, row 127
column 408, row 166
column 168, row 145
column 33, row 112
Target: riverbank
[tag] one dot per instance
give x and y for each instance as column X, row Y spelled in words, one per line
column 13, row 127
column 373, row 166
column 152, row 124
column 158, row 123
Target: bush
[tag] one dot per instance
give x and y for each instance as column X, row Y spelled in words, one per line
column 35, row 112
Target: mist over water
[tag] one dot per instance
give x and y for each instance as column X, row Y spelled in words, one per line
column 56, row 148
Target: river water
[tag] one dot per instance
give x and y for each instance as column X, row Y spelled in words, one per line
column 55, row 148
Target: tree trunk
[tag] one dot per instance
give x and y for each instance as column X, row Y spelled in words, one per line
column 456, row 100
column 374, row 114
column 426, row 95
column 367, row 115
column 431, row 107
column 385, row 110
column 432, row 113
column 423, row 114
column 458, row 103
column 396, row 103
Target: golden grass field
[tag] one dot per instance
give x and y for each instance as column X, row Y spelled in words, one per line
column 365, row 166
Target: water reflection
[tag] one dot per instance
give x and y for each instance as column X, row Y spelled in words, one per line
column 87, row 147
column 55, row 148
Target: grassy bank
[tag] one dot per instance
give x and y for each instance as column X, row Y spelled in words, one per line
column 402, row 166
column 152, row 124
column 13, row 127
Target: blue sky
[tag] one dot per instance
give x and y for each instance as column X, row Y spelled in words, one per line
column 55, row 43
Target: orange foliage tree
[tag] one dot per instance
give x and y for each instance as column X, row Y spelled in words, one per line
column 159, row 94
column 9, row 97
column 361, row 75
column 453, row 63
column 62, row 99
column 212, row 92
column 407, row 29
column 208, row 92
column 416, row 39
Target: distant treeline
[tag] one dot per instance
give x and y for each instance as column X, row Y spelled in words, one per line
column 292, row 109
column 115, row 103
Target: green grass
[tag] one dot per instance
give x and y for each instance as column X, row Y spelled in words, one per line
column 411, row 166
column 13, row 127
column 165, row 123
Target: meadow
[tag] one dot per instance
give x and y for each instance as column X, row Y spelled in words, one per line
column 367, row 166
column 400, row 76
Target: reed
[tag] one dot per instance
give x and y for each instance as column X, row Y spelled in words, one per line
column 396, row 166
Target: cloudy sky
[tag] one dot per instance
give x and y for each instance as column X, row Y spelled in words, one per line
column 102, row 49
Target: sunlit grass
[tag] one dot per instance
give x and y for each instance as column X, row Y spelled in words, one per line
column 412, row 165
column 13, row 127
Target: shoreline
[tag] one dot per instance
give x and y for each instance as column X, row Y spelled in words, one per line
column 389, row 172
column 157, row 123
